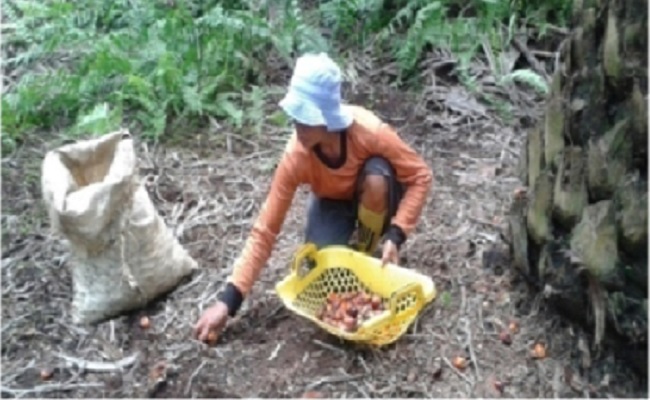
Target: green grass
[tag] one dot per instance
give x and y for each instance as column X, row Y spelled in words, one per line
column 86, row 67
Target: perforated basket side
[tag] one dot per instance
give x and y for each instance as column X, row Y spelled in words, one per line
column 398, row 324
column 406, row 303
column 341, row 280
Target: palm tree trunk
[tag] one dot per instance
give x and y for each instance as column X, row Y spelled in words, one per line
column 580, row 230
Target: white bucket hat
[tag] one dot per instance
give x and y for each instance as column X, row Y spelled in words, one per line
column 314, row 94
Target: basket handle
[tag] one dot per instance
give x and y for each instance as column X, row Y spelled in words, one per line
column 305, row 251
column 407, row 290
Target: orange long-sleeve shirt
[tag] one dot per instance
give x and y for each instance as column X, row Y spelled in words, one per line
column 367, row 136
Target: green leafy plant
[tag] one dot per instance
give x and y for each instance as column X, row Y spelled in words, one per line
column 92, row 66
column 87, row 67
column 407, row 28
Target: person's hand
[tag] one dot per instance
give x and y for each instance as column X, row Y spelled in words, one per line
column 211, row 323
column 390, row 254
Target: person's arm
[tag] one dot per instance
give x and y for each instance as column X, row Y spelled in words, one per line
column 412, row 170
column 262, row 237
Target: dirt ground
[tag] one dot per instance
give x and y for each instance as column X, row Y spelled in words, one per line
column 266, row 351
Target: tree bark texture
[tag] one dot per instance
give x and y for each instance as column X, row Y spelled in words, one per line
column 580, row 231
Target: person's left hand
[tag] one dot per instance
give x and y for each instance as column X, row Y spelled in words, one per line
column 390, row 254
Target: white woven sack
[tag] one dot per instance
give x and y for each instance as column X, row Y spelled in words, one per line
column 122, row 253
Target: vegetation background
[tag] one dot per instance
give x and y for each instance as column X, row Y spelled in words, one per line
column 89, row 66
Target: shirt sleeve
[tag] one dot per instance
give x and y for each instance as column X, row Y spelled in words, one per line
column 263, row 235
column 411, row 170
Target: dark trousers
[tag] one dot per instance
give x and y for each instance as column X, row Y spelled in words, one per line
column 332, row 222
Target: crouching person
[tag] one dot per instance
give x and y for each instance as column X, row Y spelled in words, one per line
column 361, row 175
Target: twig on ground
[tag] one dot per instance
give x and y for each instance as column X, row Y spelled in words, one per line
column 244, row 140
column 441, row 338
column 207, row 298
column 418, row 335
column 484, row 222
column 537, row 303
column 188, row 387
column 274, row 354
column 459, row 233
column 333, row 379
column 465, row 378
column 256, row 155
column 544, row 53
column 541, row 376
column 557, row 29
column 557, row 382
column 480, row 315
column 75, row 330
column 274, row 312
column 387, row 390
column 505, row 147
column 416, row 324
column 179, row 228
column 361, row 390
column 488, row 237
column 329, row 346
column 472, row 354
column 177, row 212
column 111, row 337
column 52, row 387
column 100, row 366
column 13, row 321
column 363, row 364
column 171, row 317
column 7, row 378
column 463, row 299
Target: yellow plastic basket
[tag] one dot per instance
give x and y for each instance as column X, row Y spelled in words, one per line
column 341, row 269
